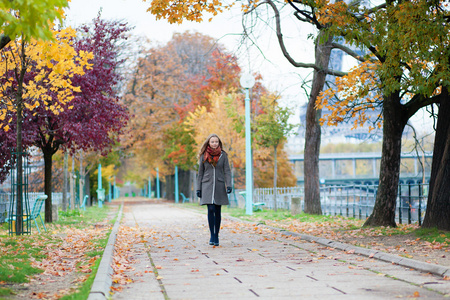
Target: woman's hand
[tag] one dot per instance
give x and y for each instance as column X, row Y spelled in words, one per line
column 199, row 193
column 229, row 190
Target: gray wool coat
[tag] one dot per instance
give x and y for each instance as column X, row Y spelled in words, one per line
column 213, row 181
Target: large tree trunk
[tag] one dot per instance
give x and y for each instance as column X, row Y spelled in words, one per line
column 438, row 207
column 313, row 132
column 394, row 121
column 48, row 183
column 19, row 141
column 19, row 163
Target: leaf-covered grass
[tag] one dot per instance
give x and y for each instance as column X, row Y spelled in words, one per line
column 85, row 229
column 5, row 292
column 433, row 235
column 85, row 289
column 15, row 257
column 321, row 225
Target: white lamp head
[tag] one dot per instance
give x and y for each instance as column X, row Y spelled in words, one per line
column 247, row 81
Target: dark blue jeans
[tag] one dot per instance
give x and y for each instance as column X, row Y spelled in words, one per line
column 214, row 219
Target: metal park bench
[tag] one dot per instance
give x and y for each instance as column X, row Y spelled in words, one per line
column 36, row 212
column 256, row 206
column 83, row 205
column 232, row 199
column 184, row 198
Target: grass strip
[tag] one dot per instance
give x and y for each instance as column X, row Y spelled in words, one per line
column 18, row 252
column 307, row 224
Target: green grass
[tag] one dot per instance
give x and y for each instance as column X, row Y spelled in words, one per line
column 279, row 215
column 85, row 288
column 5, row 292
column 91, row 215
column 282, row 214
column 14, row 261
column 433, row 234
column 16, row 251
column 81, row 218
column 337, row 223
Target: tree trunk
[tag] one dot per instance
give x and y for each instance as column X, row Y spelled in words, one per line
column 48, row 153
column 81, row 180
column 64, row 189
column 438, row 207
column 313, row 131
column 275, row 178
column 19, row 163
column 72, row 185
column 394, row 121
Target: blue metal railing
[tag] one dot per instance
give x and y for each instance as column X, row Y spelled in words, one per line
column 356, row 201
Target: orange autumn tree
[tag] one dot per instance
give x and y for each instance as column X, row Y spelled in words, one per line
column 354, row 97
column 271, row 14
column 220, row 72
column 226, row 118
column 159, row 95
column 219, row 119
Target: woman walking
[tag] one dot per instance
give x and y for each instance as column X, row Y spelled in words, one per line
column 213, row 182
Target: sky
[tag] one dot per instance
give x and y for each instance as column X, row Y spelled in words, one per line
column 267, row 59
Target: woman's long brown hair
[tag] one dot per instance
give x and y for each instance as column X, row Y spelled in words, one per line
column 206, row 143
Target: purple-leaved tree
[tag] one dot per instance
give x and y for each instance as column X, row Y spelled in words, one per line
column 95, row 117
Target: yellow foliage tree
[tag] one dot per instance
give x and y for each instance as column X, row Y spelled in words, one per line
column 225, row 118
column 218, row 120
column 33, row 72
column 33, row 69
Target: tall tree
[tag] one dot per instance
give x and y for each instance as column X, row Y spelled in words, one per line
column 401, row 76
column 168, row 82
column 273, row 127
column 94, row 118
column 31, row 70
column 306, row 12
column 438, row 208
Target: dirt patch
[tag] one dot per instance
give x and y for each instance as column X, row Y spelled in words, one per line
column 68, row 257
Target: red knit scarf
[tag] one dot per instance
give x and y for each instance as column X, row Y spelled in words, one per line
column 212, row 155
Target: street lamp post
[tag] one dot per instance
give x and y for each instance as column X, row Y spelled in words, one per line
column 100, row 190
column 247, row 81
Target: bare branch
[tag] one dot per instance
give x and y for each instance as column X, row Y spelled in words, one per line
column 283, row 46
column 418, row 101
column 309, row 17
column 301, row 19
column 348, row 51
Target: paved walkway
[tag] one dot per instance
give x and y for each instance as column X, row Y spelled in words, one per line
column 176, row 262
